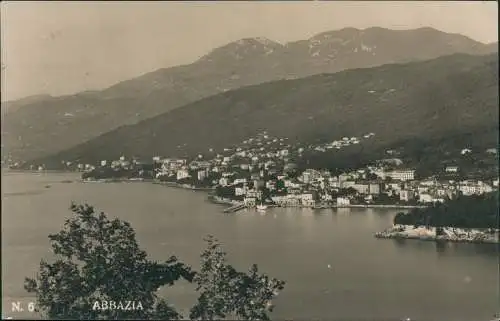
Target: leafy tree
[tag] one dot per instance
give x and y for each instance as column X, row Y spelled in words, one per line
column 225, row 191
column 280, row 184
column 99, row 260
column 226, row 293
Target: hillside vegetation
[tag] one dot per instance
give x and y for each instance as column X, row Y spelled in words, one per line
column 445, row 100
column 44, row 125
column 477, row 211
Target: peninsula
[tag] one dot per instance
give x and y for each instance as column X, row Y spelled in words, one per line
column 471, row 219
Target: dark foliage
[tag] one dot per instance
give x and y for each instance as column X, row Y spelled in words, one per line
column 100, row 260
column 477, row 211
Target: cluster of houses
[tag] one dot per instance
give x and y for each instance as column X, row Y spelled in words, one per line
column 344, row 142
column 245, row 175
column 262, row 169
column 313, row 188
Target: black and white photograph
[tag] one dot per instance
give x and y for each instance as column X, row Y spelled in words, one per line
column 250, row 160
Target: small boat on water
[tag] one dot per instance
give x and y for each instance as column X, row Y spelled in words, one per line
column 48, row 186
column 261, row 207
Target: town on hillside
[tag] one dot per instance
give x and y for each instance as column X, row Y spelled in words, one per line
column 262, row 171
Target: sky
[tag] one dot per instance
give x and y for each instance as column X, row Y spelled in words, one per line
column 60, row 48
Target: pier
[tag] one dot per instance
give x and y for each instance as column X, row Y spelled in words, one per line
column 235, row 208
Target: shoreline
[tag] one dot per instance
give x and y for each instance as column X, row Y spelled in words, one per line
column 222, row 201
column 450, row 234
column 146, row 180
column 396, row 206
column 211, row 189
column 34, row 171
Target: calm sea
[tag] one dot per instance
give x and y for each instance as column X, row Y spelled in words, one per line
column 334, row 268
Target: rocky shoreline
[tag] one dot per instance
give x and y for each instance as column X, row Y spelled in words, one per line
column 449, row 234
column 395, row 206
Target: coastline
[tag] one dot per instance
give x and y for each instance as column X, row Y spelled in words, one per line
column 146, row 180
column 219, row 201
column 449, row 234
column 229, row 202
column 394, row 206
column 28, row 171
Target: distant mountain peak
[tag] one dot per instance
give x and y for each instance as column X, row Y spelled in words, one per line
column 244, row 47
column 244, row 62
column 262, row 40
column 344, row 32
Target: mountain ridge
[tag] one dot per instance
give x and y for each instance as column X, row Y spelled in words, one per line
column 73, row 119
column 439, row 98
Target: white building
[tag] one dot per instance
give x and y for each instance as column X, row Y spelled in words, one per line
column 115, row 164
column 202, row 175
column 240, row 181
column 374, row 189
column 271, row 185
column 451, row 169
column 362, row 188
column 224, row 181
column 238, row 191
column 425, row 198
column 306, row 197
column 249, row 201
column 253, row 193
column 333, row 183
column 402, row 175
column 182, row 173
column 406, row 195
column 344, row 177
column 343, row 201
column 474, row 188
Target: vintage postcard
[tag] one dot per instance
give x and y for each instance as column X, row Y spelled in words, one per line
column 251, row 160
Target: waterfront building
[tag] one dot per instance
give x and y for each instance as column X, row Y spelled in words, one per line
column 343, row 201
column 182, row 173
column 239, row 191
column 202, row 175
column 361, row 188
column 374, row 188
column 425, row 198
column 249, row 201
